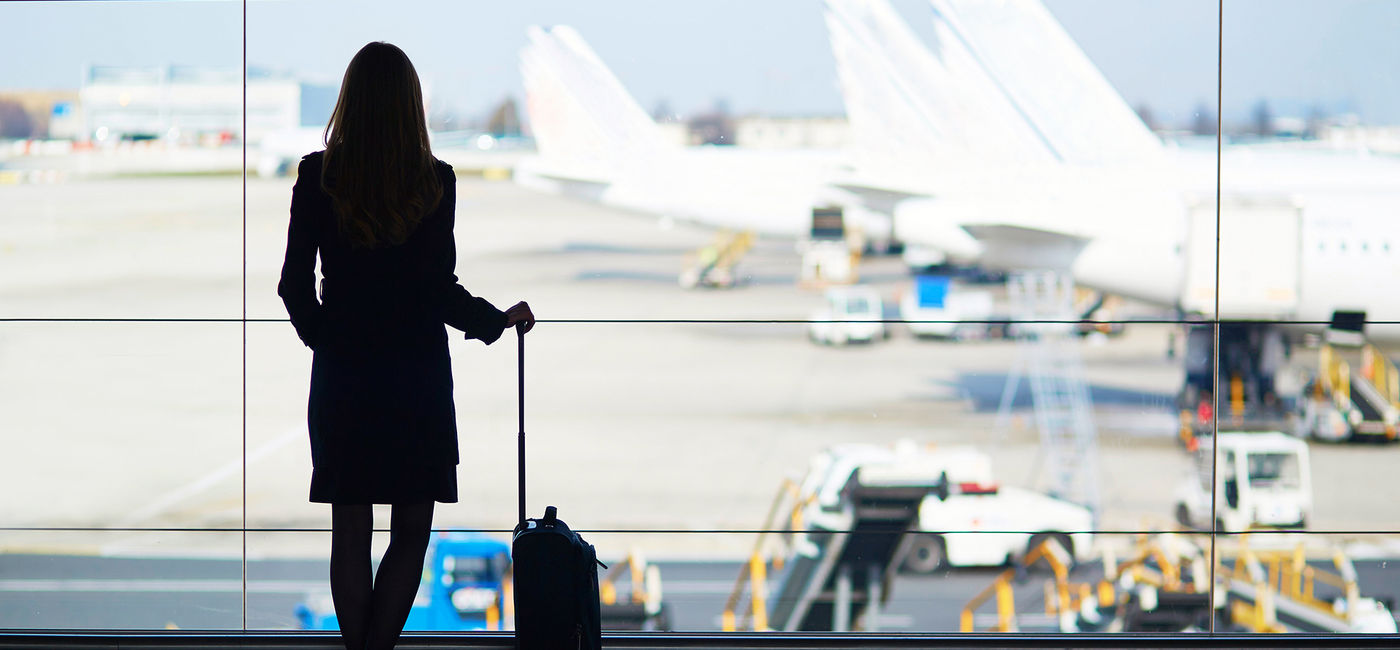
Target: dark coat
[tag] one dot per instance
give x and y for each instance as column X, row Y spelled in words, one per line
column 383, row 426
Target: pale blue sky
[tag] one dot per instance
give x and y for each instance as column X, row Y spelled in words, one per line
column 768, row 55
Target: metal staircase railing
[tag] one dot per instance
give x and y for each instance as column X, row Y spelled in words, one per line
column 753, row 575
column 1042, row 304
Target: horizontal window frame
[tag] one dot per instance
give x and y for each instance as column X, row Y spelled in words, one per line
column 717, row 641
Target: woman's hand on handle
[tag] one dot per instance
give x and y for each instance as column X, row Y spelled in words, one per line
column 520, row 317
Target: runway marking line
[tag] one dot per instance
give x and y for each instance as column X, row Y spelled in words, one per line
column 75, row 550
column 162, row 585
column 220, row 474
column 206, row 585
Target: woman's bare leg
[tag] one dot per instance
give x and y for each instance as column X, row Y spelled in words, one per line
column 399, row 573
column 352, row 527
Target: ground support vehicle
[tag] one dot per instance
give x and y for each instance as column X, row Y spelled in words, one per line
column 849, row 314
column 639, row 607
column 1355, row 395
column 1162, row 584
column 848, row 523
column 976, row 507
column 1264, row 480
column 937, row 308
column 465, row 587
column 714, row 266
column 1252, row 359
column 1292, row 590
column 831, row 252
column 1069, row 606
column 973, row 502
column 1264, row 290
column 862, row 515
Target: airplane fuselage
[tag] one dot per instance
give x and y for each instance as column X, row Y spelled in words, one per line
column 767, row 192
column 1126, row 230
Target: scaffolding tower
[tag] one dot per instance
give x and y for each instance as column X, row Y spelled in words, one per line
column 1044, row 323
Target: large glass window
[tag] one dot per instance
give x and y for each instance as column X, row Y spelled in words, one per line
column 1022, row 316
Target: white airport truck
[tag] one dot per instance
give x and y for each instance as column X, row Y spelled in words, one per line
column 978, row 512
column 1252, row 257
column 831, row 252
column 937, row 308
column 848, row 314
column 1244, row 269
column 1263, row 480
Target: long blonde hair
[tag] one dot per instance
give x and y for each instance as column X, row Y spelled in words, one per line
column 378, row 167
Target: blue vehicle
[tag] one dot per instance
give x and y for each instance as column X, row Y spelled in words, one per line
column 463, row 588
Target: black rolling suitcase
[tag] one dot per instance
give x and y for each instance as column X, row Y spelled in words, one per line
column 554, row 574
column 556, row 587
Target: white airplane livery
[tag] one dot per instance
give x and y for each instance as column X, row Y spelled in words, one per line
column 595, row 142
column 1069, row 177
column 1038, row 196
column 1000, row 144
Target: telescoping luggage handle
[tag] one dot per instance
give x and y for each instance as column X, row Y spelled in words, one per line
column 520, row 375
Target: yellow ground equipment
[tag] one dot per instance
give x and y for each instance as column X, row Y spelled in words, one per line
column 713, row 265
column 1062, row 598
column 638, row 608
column 845, row 530
column 1277, row 590
column 1164, row 585
column 1355, row 394
column 786, row 509
column 1157, row 588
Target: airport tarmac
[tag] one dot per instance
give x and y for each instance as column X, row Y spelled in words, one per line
column 200, row 594
column 664, row 424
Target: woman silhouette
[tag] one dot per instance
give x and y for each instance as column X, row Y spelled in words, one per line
column 378, row 208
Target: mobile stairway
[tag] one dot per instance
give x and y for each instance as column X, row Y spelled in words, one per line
column 844, row 540
column 1281, row 590
column 638, row 606
column 1355, row 395
column 714, row 265
column 1162, row 585
column 840, row 573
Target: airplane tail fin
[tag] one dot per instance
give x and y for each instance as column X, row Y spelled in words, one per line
column 900, row 95
column 886, row 120
column 579, row 112
column 1049, row 79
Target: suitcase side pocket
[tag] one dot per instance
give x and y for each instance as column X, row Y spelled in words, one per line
column 590, row 615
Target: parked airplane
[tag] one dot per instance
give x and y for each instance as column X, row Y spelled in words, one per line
column 1006, row 146
column 595, row 142
column 1070, row 179
column 1084, row 188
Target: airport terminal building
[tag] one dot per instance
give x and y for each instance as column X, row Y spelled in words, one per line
column 194, row 103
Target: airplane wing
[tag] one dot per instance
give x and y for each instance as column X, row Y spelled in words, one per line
column 1011, row 246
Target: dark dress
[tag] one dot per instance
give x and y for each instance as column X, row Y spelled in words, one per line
column 383, row 426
